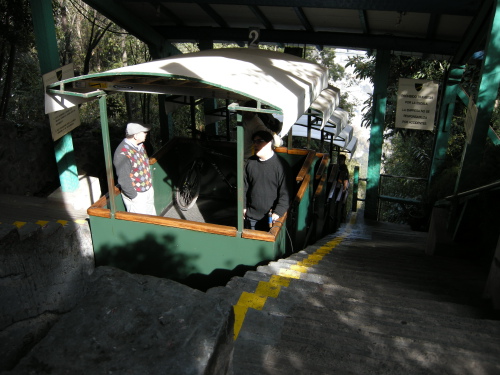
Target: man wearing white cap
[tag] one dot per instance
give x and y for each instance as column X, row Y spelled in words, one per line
column 134, row 174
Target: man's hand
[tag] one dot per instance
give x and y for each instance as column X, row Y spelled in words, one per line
column 244, row 212
column 275, row 217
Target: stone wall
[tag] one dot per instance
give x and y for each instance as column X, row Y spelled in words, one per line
column 43, row 274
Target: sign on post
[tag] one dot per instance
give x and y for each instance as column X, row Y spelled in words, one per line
column 416, row 107
column 470, row 120
column 65, row 119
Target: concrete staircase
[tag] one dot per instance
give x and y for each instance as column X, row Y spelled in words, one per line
column 366, row 300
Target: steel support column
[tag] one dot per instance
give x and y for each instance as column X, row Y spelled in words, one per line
column 382, row 68
column 446, row 109
column 48, row 56
column 485, row 101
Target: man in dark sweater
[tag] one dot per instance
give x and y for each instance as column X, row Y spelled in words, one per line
column 134, row 174
column 266, row 185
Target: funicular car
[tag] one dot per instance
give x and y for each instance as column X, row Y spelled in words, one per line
column 208, row 235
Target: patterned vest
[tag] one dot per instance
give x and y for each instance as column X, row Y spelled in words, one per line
column 140, row 173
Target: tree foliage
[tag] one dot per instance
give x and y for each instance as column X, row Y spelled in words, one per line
column 409, row 152
column 21, row 94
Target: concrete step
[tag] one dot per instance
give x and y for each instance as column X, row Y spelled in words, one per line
column 379, row 287
column 345, row 301
column 376, row 304
column 371, row 338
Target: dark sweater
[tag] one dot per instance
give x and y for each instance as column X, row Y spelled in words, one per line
column 266, row 187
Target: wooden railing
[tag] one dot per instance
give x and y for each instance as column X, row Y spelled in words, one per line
column 100, row 209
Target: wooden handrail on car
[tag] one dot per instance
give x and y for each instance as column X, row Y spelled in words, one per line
column 177, row 223
column 291, row 151
column 321, row 184
column 306, row 166
column 98, row 208
column 258, row 235
column 325, row 159
column 302, row 189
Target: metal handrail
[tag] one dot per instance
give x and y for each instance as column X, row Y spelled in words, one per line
column 405, row 177
column 493, row 185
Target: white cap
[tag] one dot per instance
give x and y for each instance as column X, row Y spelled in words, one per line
column 137, row 127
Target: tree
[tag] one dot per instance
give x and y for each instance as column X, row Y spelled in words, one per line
column 18, row 63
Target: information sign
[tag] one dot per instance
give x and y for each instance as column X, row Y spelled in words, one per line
column 416, row 106
column 65, row 119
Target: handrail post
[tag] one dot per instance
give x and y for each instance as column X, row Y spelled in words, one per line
column 355, row 184
column 240, row 146
column 107, row 153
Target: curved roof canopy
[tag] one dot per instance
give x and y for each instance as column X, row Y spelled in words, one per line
column 280, row 83
column 336, row 130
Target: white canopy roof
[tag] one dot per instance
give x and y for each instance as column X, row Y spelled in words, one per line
column 342, row 133
column 326, row 103
column 283, row 82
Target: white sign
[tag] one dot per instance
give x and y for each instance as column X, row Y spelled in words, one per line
column 67, row 116
column 416, row 108
column 470, row 120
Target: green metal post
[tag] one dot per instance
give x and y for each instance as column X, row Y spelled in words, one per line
column 48, row 56
column 486, row 96
column 355, row 184
column 240, row 145
column 382, row 67
column 447, row 107
column 159, row 49
column 166, row 121
column 209, row 104
column 108, row 160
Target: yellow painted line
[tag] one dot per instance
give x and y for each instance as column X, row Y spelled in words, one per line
column 272, row 288
column 315, row 257
column 268, row 289
column 280, row 280
column 19, row 224
column 298, row 268
column 285, row 272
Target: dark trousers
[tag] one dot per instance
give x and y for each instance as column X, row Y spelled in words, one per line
column 262, row 224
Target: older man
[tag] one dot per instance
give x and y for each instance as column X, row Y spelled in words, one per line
column 132, row 168
column 266, row 189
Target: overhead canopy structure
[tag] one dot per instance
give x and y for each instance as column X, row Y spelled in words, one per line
column 425, row 28
column 281, row 83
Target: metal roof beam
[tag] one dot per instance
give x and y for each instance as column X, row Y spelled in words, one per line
column 303, row 19
column 167, row 12
column 475, row 34
column 215, row 16
column 262, row 18
column 457, row 7
column 363, row 21
column 343, row 40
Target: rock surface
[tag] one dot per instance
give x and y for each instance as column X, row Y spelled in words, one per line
column 136, row 324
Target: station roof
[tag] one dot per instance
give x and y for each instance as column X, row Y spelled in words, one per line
column 442, row 29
